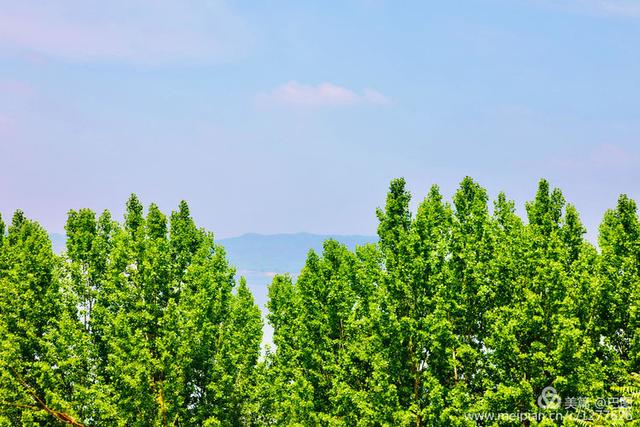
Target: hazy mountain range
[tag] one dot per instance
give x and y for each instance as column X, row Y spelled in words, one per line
column 258, row 257
column 260, row 253
column 280, row 253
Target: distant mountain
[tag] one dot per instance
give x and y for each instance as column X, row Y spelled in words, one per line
column 258, row 257
column 280, row 253
column 260, row 253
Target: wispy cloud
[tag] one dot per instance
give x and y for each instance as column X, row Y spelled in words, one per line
column 138, row 31
column 13, row 89
column 616, row 7
column 613, row 156
column 601, row 157
column 15, row 96
column 628, row 8
column 5, row 123
column 321, row 95
column 620, row 8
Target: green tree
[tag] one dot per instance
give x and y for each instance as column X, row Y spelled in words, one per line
column 168, row 318
column 315, row 314
column 137, row 325
column 414, row 309
column 618, row 297
column 235, row 379
column 30, row 386
column 286, row 397
column 456, row 310
column 540, row 338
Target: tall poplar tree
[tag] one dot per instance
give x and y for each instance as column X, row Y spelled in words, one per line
column 540, row 337
column 31, row 390
column 414, row 309
column 456, row 310
column 311, row 360
column 618, row 297
column 168, row 317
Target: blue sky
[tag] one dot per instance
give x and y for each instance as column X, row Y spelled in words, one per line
column 294, row 116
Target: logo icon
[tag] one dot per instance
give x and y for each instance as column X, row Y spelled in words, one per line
column 549, row 398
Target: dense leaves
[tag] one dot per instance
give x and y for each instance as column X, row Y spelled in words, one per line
column 137, row 324
column 462, row 308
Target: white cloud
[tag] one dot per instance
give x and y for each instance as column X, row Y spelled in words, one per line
column 16, row 96
column 620, row 8
column 601, row 157
column 628, row 8
column 4, row 121
column 138, row 31
column 374, row 97
column 321, row 95
column 611, row 156
column 13, row 89
column 6, row 125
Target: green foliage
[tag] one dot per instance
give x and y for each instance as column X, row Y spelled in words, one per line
column 137, row 324
column 460, row 309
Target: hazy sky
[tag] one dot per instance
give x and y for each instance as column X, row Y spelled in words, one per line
column 294, row 116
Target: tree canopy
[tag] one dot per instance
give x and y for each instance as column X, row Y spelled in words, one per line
column 461, row 310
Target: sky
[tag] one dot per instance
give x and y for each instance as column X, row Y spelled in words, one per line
column 276, row 116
